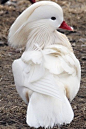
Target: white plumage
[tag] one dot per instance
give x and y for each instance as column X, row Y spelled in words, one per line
column 48, row 74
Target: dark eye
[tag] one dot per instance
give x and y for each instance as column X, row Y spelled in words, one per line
column 53, row 18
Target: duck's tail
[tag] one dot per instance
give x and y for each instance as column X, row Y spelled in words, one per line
column 46, row 111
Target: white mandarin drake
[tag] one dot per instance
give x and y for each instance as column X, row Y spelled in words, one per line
column 47, row 76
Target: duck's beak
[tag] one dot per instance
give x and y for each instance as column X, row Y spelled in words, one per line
column 65, row 26
column 32, row 1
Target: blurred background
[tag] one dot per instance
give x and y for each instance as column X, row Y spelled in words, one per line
column 12, row 108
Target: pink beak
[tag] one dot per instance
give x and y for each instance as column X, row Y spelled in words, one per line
column 65, row 26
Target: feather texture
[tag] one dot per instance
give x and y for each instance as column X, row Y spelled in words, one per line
column 39, row 75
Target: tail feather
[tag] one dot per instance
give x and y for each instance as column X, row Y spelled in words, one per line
column 46, row 111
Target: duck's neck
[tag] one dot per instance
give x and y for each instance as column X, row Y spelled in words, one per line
column 62, row 39
column 41, row 38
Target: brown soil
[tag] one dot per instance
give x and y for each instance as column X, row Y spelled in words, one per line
column 12, row 108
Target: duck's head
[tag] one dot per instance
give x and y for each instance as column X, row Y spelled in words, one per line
column 36, row 23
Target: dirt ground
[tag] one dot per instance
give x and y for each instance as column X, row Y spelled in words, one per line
column 12, row 108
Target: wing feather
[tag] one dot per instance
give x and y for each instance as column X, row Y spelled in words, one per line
column 45, row 85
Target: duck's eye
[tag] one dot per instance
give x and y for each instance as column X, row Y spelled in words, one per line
column 53, row 18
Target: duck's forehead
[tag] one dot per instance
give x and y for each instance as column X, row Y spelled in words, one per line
column 44, row 3
column 49, row 8
column 46, row 11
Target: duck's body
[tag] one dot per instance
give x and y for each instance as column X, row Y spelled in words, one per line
column 47, row 79
column 47, row 75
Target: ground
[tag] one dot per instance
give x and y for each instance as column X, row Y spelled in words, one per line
column 12, row 108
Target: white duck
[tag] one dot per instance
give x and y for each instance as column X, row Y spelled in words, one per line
column 48, row 74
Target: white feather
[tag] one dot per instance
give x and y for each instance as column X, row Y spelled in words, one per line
column 49, row 112
column 48, row 99
column 36, row 77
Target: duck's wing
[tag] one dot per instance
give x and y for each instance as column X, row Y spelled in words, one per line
column 29, row 72
column 36, row 70
column 65, row 67
column 61, row 60
column 35, row 78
